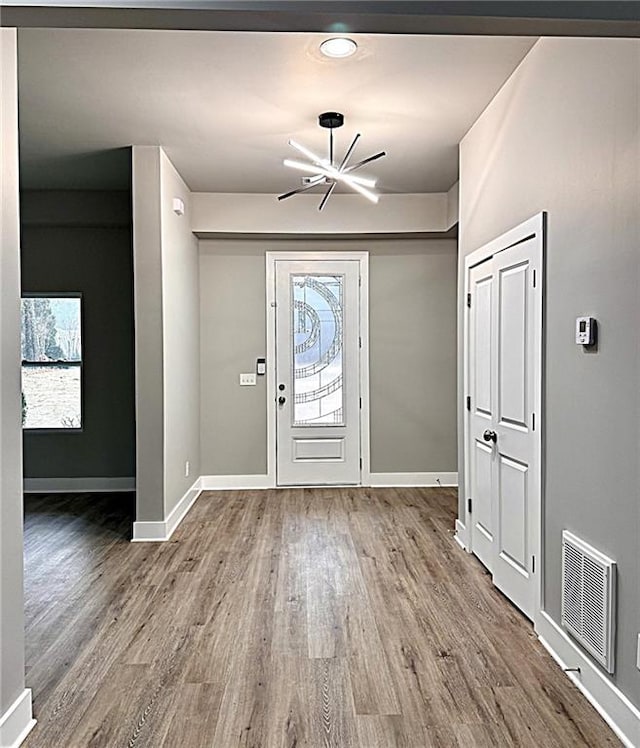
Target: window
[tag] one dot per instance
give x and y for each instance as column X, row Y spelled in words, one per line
column 51, row 362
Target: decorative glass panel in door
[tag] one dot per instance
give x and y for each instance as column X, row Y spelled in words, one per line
column 317, row 312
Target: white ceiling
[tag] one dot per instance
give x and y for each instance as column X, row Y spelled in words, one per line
column 223, row 104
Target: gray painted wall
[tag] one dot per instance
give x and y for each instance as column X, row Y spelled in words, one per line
column 181, row 339
column 167, row 316
column 412, row 321
column 11, row 565
column 412, row 349
column 233, row 422
column 149, row 353
column 79, row 241
column 562, row 136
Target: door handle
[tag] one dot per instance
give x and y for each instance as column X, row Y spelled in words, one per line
column 282, row 400
column 490, row 436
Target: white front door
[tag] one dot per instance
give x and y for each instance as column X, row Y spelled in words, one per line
column 504, row 331
column 317, row 372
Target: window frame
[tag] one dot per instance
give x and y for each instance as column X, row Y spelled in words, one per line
column 57, row 295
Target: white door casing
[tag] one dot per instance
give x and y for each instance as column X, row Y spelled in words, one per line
column 503, row 446
column 317, row 378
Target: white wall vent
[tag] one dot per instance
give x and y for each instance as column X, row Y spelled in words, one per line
column 589, row 598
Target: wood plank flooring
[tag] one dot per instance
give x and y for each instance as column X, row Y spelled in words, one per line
column 328, row 618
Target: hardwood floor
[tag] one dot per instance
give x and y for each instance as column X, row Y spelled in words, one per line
column 282, row 619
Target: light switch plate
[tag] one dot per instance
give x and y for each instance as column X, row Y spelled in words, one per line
column 247, row 379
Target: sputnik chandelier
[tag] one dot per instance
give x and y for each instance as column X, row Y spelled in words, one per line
column 327, row 172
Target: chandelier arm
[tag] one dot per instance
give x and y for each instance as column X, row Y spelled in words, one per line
column 347, row 155
column 355, row 184
column 330, row 172
column 306, row 187
column 365, row 161
column 313, row 157
column 333, row 173
column 364, row 181
column 315, row 169
column 327, row 194
column 362, row 190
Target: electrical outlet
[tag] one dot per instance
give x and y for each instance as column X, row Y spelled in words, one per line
column 187, row 469
column 638, row 654
column 247, row 379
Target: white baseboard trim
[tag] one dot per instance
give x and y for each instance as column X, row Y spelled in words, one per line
column 78, row 485
column 235, row 482
column 17, row 722
column 391, row 480
column 461, row 536
column 147, row 532
column 608, row 700
column 377, row 480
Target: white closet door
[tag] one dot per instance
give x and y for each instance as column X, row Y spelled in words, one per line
column 503, row 337
column 482, row 406
column 516, row 492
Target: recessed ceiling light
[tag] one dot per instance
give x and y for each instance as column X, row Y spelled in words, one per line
column 338, row 46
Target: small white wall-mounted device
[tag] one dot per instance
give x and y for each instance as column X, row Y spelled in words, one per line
column 261, row 366
column 178, row 206
column 248, row 379
column 585, row 330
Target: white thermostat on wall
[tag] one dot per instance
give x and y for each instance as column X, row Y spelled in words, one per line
column 585, row 331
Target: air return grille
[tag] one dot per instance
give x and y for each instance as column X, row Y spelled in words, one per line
column 588, row 598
